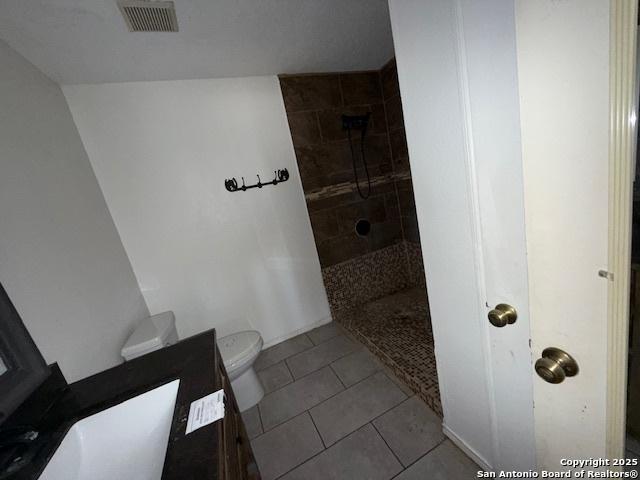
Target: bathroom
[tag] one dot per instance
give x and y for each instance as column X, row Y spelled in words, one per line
column 131, row 216
column 264, row 239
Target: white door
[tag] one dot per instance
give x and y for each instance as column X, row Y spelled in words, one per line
column 506, row 111
column 563, row 68
column 457, row 68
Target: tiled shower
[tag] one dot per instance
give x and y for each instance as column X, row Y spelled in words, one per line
column 375, row 281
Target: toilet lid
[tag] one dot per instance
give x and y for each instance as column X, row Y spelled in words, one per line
column 234, row 348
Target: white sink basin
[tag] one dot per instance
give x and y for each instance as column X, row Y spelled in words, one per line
column 127, row 441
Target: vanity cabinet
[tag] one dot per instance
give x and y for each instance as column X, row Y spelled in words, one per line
column 218, row 451
column 235, row 451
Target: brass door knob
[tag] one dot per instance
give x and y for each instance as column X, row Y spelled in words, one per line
column 502, row 315
column 555, row 365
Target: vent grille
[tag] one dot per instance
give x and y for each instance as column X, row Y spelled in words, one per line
column 149, row 15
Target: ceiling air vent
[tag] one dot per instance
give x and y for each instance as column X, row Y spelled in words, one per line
column 149, row 15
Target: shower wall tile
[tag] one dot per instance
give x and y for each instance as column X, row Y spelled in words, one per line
column 332, row 201
column 361, row 88
column 400, row 154
column 410, row 228
column 325, row 225
column 373, row 210
column 327, row 162
column 399, row 150
column 323, row 159
column 310, row 92
column 388, row 233
column 340, row 249
column 315, row 105
column 341, row 245
column 304, row 127
column 389, row 79
column 405, row 195
column 407, row 204
column 395, row 118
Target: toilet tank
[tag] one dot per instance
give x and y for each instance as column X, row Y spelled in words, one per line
column 152, row 333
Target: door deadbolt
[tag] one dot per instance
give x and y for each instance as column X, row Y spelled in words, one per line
column 502, row 315
column 555, row 365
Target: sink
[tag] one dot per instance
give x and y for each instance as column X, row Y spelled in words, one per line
column 127, row 441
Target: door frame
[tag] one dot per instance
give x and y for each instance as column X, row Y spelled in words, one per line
column 622, row 135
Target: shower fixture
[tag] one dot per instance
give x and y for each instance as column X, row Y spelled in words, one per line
column 358, row 122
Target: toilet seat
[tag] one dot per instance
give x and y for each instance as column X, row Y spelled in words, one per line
column 238, row 348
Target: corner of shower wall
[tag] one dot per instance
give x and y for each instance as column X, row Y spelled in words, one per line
column 356, row 268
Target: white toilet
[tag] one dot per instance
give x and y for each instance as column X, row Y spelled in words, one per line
column 238, row 352
column 153, row 333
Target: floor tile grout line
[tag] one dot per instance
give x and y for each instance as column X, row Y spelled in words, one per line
column 292, row 418
column 284, row 359
column 326, row 365
column 260, row 419
column 319, row 453
column 351, row 433
column 290, row 373
column 374, row 418
column 295, row 380
column 351, row 386
column 317, row 430
column 311, row 457
column 313, row 344
column 387, row 444
column 344, row 390
column 336, row 374
column 326, row 339
column 332, row 361
column 328, row 398
column 422, row 456
column 281, row 386
column 288, row 356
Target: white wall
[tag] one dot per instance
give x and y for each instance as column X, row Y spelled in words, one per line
column 61, row 260
column 563, row 61
column 161, row 152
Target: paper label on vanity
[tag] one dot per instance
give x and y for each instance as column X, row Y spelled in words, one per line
column 205, row 411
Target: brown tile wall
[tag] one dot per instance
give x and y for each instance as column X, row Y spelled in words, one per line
column 399, row 151
column 314, row 106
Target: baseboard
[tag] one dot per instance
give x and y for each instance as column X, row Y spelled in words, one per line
column 462, row 445
column 295, row 333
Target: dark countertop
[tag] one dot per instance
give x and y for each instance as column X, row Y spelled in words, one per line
column 56, row 406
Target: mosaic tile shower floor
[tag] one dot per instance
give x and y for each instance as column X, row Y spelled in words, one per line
column 397, row 329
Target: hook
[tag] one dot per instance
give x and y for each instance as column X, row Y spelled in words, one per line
column 231, row 184
column 279, row 176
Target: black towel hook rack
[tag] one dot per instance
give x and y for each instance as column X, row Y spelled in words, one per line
column 231, row 184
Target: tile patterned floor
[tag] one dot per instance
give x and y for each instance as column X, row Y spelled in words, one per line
column 397, row 329
column 333, row 411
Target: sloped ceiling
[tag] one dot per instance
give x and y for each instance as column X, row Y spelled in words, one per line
column 87, row 41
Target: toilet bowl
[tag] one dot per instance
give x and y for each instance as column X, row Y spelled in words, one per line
column 238, row 352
